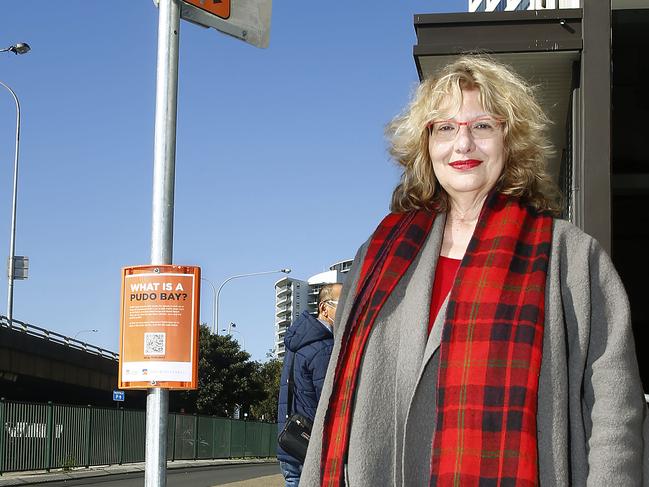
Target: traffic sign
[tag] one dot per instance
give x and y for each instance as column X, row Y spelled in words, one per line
column 21, row 267
column 249, row 20
column 220, row 8
column 119, row 396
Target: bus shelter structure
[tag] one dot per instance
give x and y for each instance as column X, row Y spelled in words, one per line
column 589, row 67
column 566, row 53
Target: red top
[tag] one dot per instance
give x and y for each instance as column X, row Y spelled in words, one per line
column 444, row 277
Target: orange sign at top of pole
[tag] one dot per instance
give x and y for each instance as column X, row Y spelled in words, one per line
column 220, row 8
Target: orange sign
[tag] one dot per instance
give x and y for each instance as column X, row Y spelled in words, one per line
column 220, row 8
column 159, row 327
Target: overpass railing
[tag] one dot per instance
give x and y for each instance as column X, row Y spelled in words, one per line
column 47, row 436
column 55, row 337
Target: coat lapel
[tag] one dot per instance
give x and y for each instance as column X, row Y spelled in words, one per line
column 435, row 337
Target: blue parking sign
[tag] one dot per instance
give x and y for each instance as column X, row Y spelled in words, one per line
column 119, row 395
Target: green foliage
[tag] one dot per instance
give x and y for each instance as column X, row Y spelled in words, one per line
column 269, row 374
column 226, row 376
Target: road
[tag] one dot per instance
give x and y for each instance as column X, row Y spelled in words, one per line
column 258, row 475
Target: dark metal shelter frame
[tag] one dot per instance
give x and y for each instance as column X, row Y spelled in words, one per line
column 590, row 67
column 567, row 54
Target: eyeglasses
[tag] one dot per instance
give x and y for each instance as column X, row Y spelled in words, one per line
column 479, row 128
column 332, row 302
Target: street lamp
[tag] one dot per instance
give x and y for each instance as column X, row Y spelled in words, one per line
column 218, row 293
column 84, row 331
column 20, row 48
column 213, row 302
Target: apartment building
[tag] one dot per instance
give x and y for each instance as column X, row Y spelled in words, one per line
column 293, row 296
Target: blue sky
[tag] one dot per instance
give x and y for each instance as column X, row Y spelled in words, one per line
column 281, row 160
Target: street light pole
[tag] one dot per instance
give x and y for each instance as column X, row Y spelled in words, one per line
column 14, row 199
column 218, row 293
column 213, row 301
column 20, row 48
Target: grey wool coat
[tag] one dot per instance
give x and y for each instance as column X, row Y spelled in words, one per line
column 592, row 419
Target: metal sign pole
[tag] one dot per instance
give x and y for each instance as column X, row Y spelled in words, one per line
column 164, row 155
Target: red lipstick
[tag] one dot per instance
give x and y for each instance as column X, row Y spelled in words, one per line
column 465, row 164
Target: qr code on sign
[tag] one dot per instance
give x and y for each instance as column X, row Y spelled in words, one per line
column 155, row 343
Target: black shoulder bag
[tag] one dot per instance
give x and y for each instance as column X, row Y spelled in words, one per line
column 294, row 438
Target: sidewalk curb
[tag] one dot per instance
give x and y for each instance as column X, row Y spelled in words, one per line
column 41, row 476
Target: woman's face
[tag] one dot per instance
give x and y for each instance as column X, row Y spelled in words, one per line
column 468, row 166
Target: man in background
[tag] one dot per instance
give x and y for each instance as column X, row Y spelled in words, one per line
column 309, row 341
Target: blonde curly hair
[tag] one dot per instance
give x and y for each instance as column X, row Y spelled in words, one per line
column 505, row 95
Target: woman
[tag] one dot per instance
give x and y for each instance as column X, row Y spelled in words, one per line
column 483, row 342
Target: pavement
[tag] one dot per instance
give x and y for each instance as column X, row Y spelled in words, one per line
column 267, row 481
column 42, row 476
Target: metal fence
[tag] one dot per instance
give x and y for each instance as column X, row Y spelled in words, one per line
column 46, row 436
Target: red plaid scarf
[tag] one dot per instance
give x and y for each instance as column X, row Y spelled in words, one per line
column 490, row 354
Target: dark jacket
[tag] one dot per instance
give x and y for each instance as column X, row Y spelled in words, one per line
column 310, row 342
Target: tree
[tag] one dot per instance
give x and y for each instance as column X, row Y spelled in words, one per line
column 226, row 377
column 269, row 374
